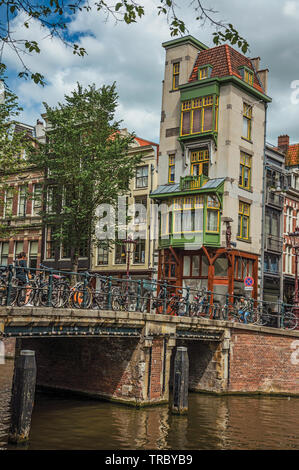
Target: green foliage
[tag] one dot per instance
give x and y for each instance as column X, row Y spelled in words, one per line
column 231, row 35
column 12, row 145
column 54, row 15
column 86, row 161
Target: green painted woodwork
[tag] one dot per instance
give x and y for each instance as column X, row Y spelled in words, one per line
column 199, row 238
column 199, row 136
column 199, row 84
column 185, row 40
column 203, row 89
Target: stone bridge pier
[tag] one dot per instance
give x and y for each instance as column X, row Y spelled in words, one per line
column 128, row 357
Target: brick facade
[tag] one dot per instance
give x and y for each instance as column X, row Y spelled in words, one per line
column 266, row 363
column 112, row 368
column 9, row 345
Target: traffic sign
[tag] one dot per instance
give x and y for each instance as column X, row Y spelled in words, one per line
column 250, row 288
column 248, row 281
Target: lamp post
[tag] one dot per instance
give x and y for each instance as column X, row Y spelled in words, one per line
column 128, row 243
column 294, row 237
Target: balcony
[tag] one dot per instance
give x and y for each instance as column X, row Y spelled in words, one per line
column 273, row 243
column 188, row 183
column 274, row 199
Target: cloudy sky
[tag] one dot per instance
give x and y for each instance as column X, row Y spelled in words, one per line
column 132, row 56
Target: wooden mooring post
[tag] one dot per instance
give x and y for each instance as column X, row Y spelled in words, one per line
column 22, row 400
column 180, row 381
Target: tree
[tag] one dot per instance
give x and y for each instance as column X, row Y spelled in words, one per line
column 54, row 15
column 12, row 144
column 86, row 163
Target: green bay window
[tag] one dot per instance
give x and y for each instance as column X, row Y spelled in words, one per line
column 199, row 115
column 187, row 213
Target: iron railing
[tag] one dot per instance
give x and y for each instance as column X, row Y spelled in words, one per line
column 46, row 287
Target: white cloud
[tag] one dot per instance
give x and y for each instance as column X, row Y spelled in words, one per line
column 291, row 8
column 132, row 56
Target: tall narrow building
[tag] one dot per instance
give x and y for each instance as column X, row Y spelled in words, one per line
column 211, row 166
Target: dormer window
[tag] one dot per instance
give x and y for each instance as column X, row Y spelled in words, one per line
column 247, row 75
column 204, row 72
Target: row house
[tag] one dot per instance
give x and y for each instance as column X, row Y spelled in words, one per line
column 20, row 211
column 210, row 174
column 21, row 215
column 113, row 260
column 273, row 224
column 291, row 212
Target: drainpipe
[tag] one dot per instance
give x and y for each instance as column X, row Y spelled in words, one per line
column 263, row 211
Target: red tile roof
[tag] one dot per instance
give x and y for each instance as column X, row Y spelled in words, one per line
column 225, row 61
column 292, row 156
column 143, row 142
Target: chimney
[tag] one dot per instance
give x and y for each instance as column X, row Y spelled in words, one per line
column 39, row 130
column 263, row 76
column 283, row 143
column 256, row 63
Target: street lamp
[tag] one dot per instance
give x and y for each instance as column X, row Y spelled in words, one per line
column 128, row 243
column 294, row 237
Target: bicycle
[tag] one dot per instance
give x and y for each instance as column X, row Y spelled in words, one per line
column 123, row 300
column 178, row 305
column 200, row 305
column 289, row 320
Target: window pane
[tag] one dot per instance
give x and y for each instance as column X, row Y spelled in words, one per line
column 195, row 266
column 246, row 177
column 18, row 247
column 102, row 256
column 239, row 225
column 245, row 227
column 197, row 113
column 139, row 251
column 246, row 128
column 187, row 264
column 221, row 266
column 212, row 223
column 208, row 118
column 33, row 248
column 204, row 266
column 186, row 123
column 4, row 247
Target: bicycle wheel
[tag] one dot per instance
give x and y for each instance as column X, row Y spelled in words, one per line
column 233, row 314
column 145, row 303
column 116, row 299
column 99, row 300
column 131, row 302
column 173, row 307
column 42, row 294
column 3, row 292
column 78, row 296
column 289, row 321
column 260, row 316
column 60, row 295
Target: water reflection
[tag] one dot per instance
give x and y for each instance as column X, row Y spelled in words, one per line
column 227, row 422
column 6, row 371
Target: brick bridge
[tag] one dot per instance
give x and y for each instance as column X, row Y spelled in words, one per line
column 128, row 357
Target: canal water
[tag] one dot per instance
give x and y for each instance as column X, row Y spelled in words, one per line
column 213, row 422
